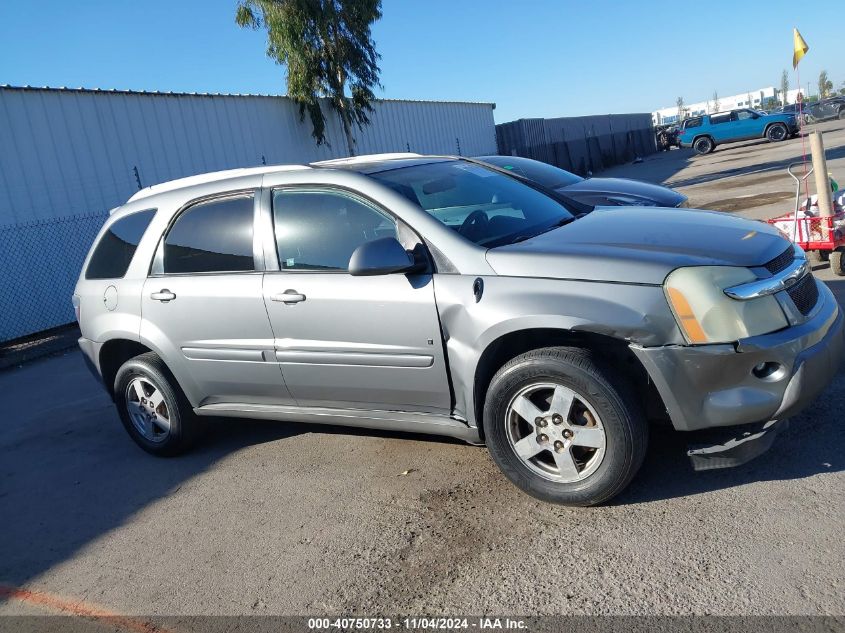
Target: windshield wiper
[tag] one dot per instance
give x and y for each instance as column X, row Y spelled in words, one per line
column 556, row 224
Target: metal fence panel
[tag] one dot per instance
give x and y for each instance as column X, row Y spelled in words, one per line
column 579, row 144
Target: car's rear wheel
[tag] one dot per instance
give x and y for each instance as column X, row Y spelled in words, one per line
column 152, row 407
column 703, row 145
column 777, row 132
column 562, row 428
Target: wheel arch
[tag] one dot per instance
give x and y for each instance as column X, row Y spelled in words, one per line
column 113, row 353
column 611, row 350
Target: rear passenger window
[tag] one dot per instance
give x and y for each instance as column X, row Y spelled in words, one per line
column 720, row 118
column 116, row 248
column 214, row 236
column 692, row 123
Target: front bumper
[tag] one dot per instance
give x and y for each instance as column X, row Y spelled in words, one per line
column 711, row 386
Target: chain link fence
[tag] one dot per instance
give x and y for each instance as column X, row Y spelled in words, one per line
column 42, row 264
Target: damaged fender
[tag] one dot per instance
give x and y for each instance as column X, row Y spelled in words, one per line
column 472, row 321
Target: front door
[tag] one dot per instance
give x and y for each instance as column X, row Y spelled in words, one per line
column 203, row 306
column 342, row 341
column 746, row 124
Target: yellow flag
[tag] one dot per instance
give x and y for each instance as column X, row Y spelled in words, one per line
column 800, row 48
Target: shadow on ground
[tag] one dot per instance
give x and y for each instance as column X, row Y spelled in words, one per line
column 69, row 473
column 831, row 154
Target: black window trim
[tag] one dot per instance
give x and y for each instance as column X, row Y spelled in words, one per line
column 344, row 191
column 157, row 264
column 106, row 228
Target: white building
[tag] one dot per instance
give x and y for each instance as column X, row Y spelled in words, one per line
column 752, row 99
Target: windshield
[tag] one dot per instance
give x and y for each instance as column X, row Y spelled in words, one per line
column 484, row 205
column 543, row 173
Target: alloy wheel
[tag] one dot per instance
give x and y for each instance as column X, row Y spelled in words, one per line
column 556, row 432
column 147, row 409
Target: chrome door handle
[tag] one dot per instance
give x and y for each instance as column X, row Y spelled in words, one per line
column 288, row 296
column 163, row 295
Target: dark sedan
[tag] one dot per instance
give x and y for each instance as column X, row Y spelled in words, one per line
column 592, row 191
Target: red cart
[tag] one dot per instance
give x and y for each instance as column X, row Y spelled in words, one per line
column 823, row 236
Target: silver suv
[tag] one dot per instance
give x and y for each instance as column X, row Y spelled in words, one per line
column 441, row 295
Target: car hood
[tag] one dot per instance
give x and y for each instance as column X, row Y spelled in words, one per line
column 639, row 245
column 599, row 191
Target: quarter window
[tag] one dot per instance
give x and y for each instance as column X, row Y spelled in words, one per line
column 319, row 230
column 116, row 248
column 213, row 236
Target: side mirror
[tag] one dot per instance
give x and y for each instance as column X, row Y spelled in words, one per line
column 380, row 257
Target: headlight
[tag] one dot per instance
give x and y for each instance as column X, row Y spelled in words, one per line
column 706, row 314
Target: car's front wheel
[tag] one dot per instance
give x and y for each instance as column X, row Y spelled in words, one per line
column 562, row 428
column 152, row 407
column 777, row 132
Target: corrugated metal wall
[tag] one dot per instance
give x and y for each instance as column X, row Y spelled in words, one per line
column 579, row 144
column 68, row 156
column 74, row 151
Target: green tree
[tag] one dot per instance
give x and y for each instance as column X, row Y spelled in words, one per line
column 825, row 85
column 327, row 49
column 784, row 86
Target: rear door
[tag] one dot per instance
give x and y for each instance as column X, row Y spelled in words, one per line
column 203, row 306
column 343, row 341
column 721, row 127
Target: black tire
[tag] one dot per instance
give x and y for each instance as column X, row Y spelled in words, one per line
column 821, row 256
column 777, row 132
column 185, row 428
column 841, row 114
column 836, row 263
column 625, row 426
column 703, row 145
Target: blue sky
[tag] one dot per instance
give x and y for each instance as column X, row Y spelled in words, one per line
column 532, row 58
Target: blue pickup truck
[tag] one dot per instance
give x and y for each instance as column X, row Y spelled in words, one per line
column 704, row 133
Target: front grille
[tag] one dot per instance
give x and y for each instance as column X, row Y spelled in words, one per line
column 781, row 261
column 805, row 294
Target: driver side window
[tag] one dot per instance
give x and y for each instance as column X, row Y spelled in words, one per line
column 319, row 230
